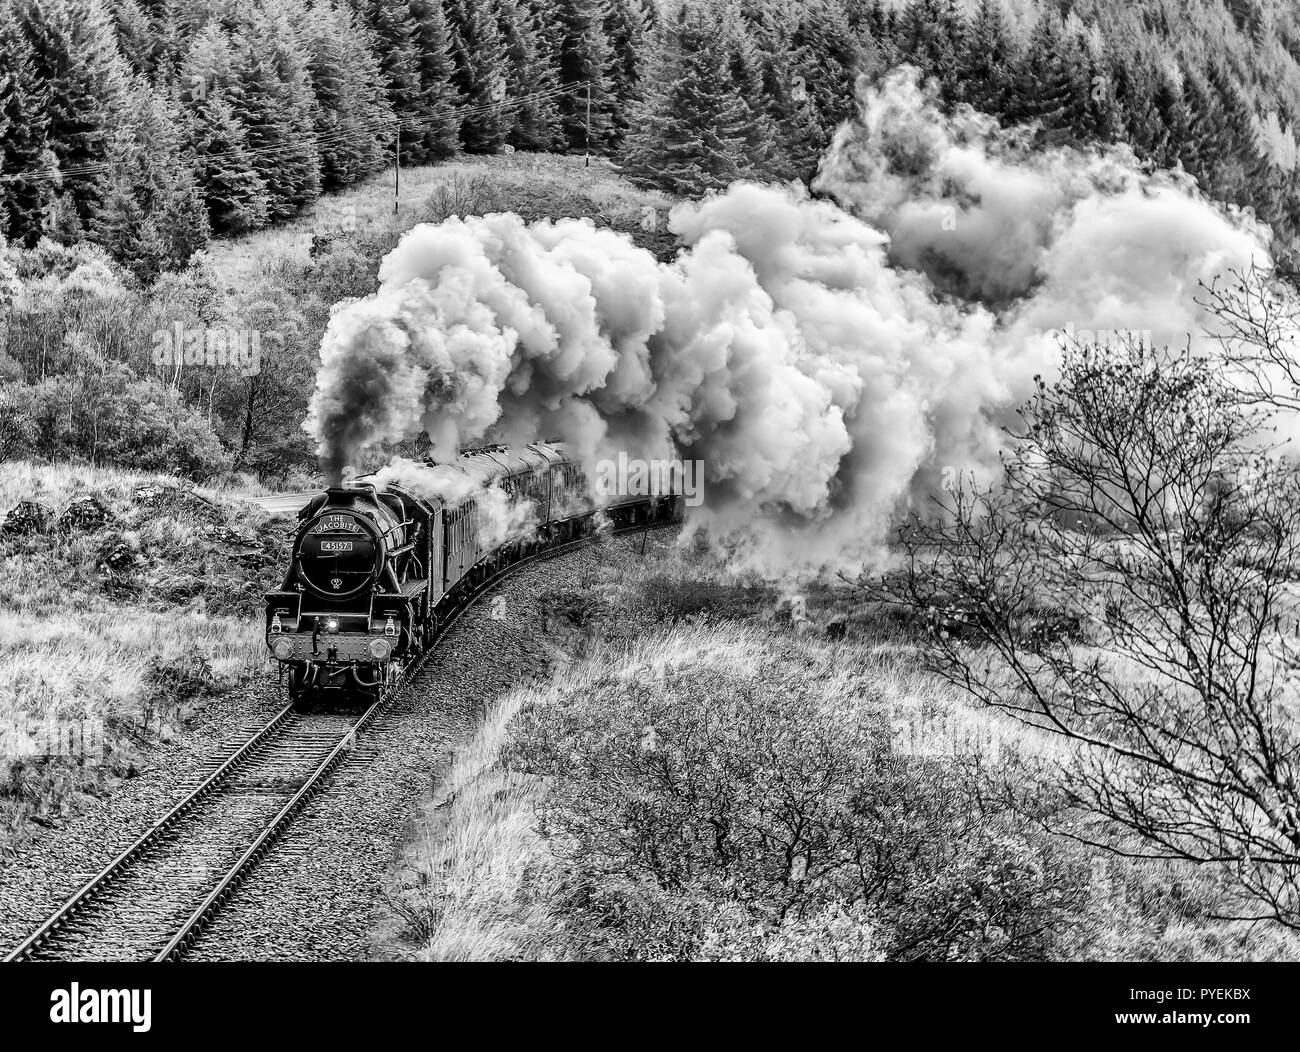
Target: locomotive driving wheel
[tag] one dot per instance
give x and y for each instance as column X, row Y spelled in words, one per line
column 300, row 686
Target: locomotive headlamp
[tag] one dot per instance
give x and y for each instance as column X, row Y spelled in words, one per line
column 283, row 648
column 332, row 625
column 381, row 649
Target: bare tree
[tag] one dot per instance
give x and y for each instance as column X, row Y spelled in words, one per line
column 1257, row 323
column 1130, row 585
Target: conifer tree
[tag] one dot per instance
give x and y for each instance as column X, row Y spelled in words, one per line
column 394, row 31
column 872, row 18
column 177, row 206
column 153, row 217
column 208, row 65
column 584, row 59
column 122, row 228
column 6, row 82
column 931, row 35
column 353, row 119
column 800, row 135
column 1171, row 117
column 550, row 30
column 1088, row 113
column 1242, row 174
column 533, row 125
column 75, row 57
column 1132, row 89
column 689, row 132
column 173, row 24
column 1202, row 153
column 271, row 93
column 826, row 57
column 135, row 35
column 746, row 74
column 233, row 191
column 1044, row 85
column 24, row 148
column 988, row 59
column 437, row 137
column 481, row 74
column 627, row 27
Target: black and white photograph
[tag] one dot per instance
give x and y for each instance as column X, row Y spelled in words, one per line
column 506, row 502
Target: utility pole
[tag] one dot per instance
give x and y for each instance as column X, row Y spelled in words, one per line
column 397, row 166
column 586, row 157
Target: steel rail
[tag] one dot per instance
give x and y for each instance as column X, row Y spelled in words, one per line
column 105, row 876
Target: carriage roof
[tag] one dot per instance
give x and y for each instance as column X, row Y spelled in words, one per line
column 496, row 462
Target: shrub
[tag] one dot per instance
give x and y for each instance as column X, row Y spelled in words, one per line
column 11, row 285
column 104, row 415
column 465, row 195
column 676, row 597
column 17, row 429
column 715, row 799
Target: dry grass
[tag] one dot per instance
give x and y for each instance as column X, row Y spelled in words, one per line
column 482, row 880
column 529, row 184
column 481, row 884
column 130, row 651
column 56, row 484
column 100, row 665
column 116, row 679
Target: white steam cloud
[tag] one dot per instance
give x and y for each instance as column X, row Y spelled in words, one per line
column 498, row 518
column 826, row 359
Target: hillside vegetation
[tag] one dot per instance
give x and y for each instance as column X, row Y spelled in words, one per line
column 125, row 600
column 148, row 599
column 773, row 797
column 80, row 340
column 140, row 135
column 755, row 786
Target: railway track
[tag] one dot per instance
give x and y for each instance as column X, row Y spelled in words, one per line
column 152, row 900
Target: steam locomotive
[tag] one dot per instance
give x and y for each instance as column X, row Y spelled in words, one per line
column 376, row 569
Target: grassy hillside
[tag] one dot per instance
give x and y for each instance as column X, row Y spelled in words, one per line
column 125, row 600
column 536, row 186
column 748, row 787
